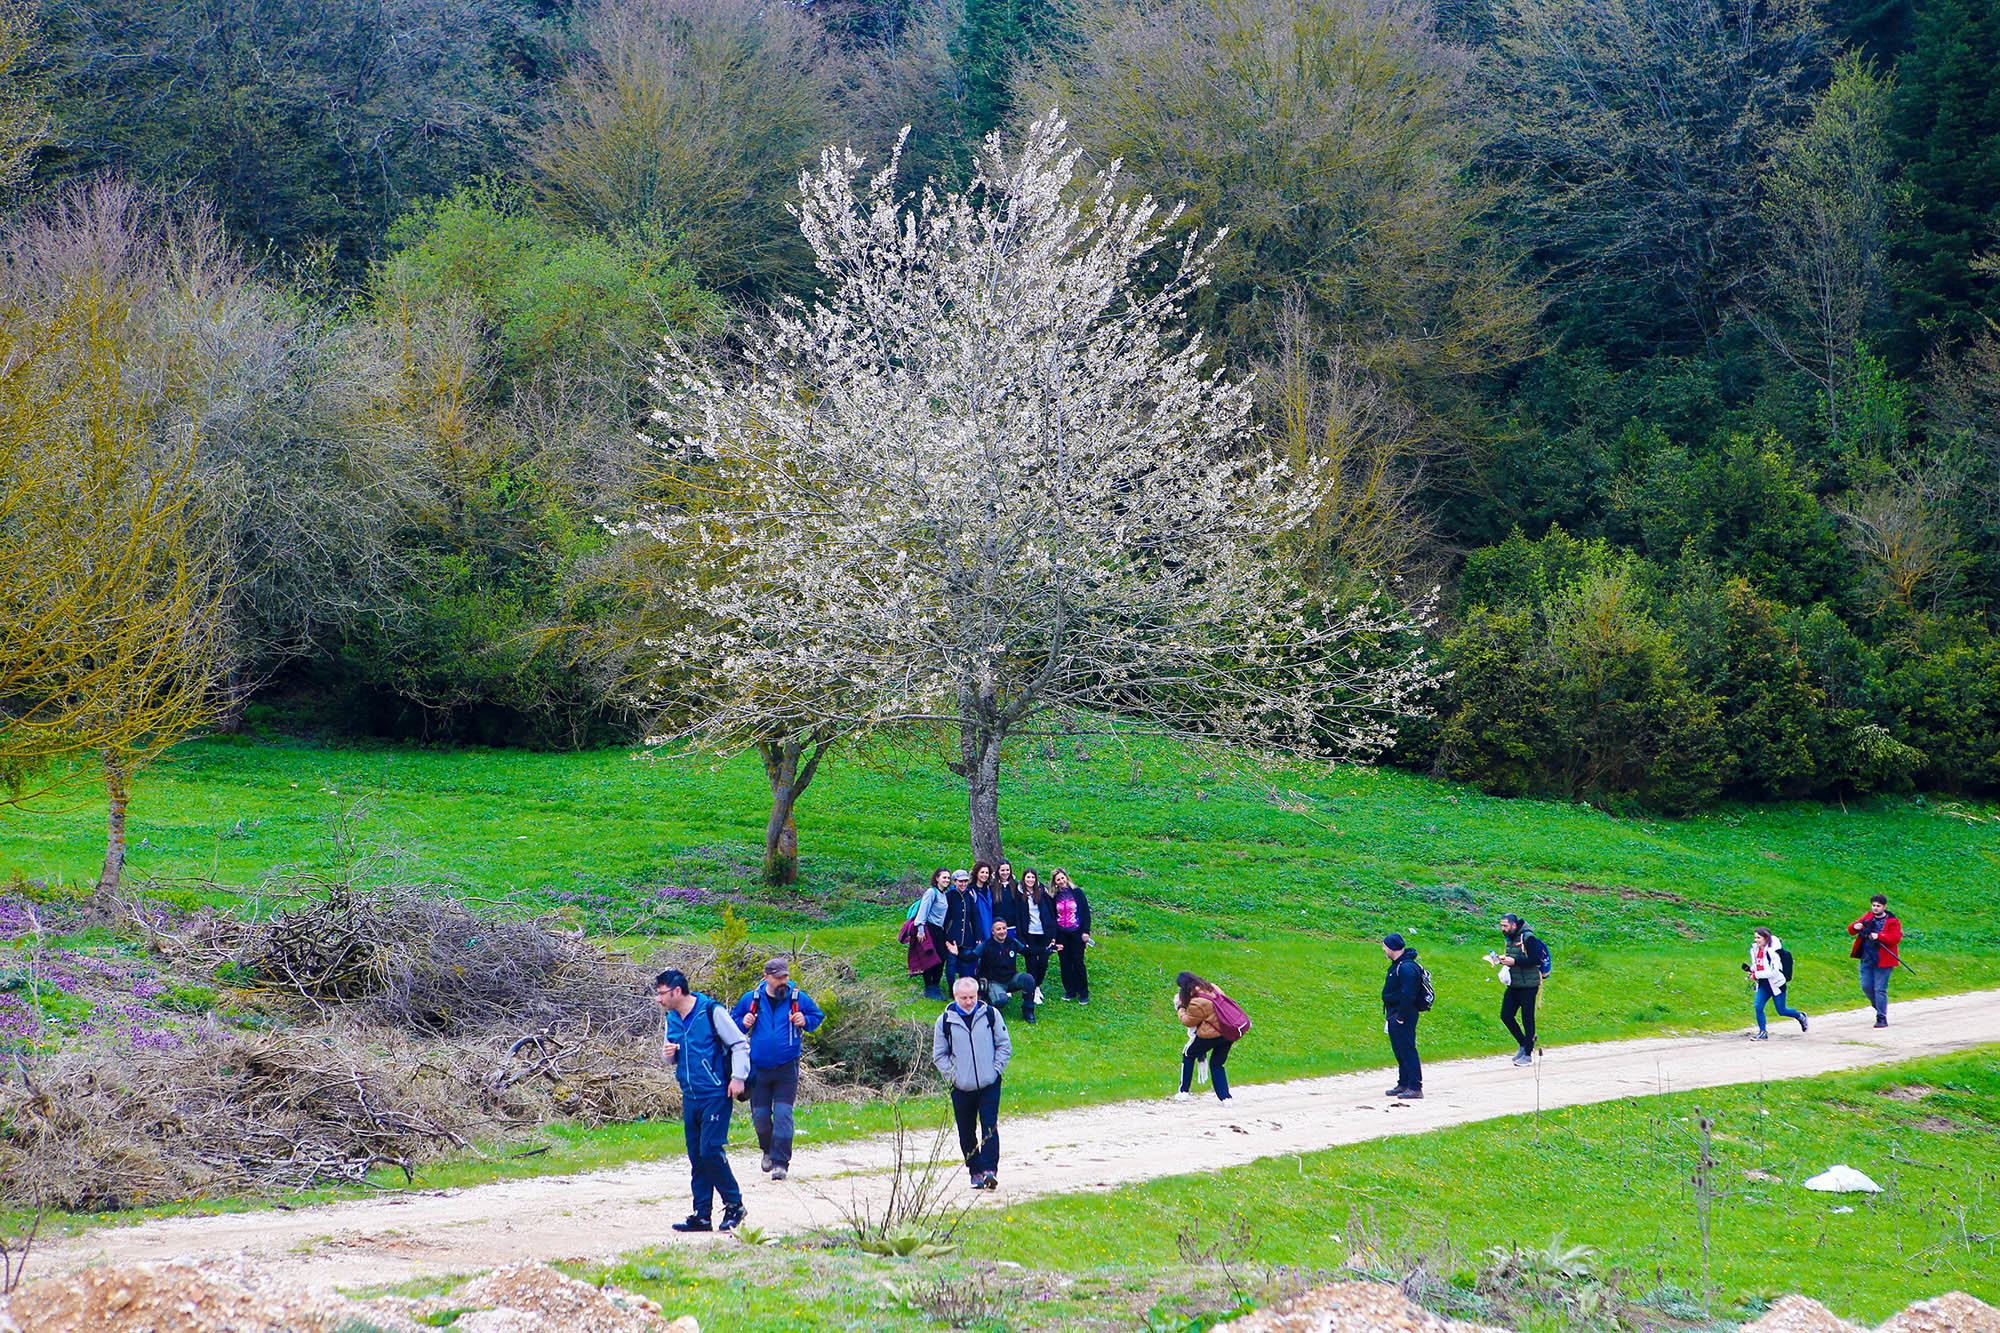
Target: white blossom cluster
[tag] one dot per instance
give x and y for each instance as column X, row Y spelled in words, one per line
column 986, row 479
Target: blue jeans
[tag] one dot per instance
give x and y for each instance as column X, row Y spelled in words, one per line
column 1217, row 1051
column 1403, row 1041
column 978, row 1115
column 705, row 1123
column 1875, row 985
column 1777, row 998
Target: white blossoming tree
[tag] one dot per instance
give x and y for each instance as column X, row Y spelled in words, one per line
column 986, row 482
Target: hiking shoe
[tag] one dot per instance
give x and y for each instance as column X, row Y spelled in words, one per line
column 1411, row 1094
column 695, row 1222
column 1027, row 1018
column 1393, row 1092
column 1803, row 1025
column 732, row 1217
column 767, row 1161
column 1183, row 1096
column 1881, row 1022
column 777, row 1173
column 1524, row 1058
column 991, row 1182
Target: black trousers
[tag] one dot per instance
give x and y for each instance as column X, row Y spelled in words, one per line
column 1217, row 1051
column 1035, row 956
column 978, row 1115
column 934, row 976
column 1520, row 1000
column 1075, row 972
column 772, row 1095
column 1403, row 1041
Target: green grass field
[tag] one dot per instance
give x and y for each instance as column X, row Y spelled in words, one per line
column 1186, row 868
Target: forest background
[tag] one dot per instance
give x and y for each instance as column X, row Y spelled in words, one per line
column 1658, row 332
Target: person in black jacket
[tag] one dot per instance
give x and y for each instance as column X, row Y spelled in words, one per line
column 999, row 975
column 1033, row 925
column 1402, row 993
column 1072, row 937
column 965, row 926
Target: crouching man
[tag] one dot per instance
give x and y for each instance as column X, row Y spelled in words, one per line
column 711, row 1060
column 777, row 1015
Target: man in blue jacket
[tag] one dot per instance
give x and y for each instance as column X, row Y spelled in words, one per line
column 711, row 1060
column 777, row 1015
column 1402, row 1005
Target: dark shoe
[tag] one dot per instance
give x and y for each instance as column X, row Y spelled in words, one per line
column 767, row 1161
column 695, row 1222
column 1881, row 1022
column 1803, row 1025
column 1083, row 999
column 732, row 1218
column 977, row 1179
column 933, row 993
column 777, row 1173
column 992, row 1182
column 1393, row 1092
column 1411, row 1094
column 1027, row 1018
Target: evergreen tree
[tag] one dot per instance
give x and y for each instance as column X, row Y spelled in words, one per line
column 995, row 36
column 1946, row 131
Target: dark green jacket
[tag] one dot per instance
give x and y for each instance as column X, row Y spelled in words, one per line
column 1524, row 960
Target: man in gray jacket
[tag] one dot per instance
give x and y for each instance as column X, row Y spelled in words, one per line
column 971, row 1048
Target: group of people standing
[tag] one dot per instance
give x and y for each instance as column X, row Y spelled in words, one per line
column 1001, row 932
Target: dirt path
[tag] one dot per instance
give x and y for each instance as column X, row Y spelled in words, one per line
column 399, row 1237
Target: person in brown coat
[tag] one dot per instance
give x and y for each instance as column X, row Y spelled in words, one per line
column 1194, row 1004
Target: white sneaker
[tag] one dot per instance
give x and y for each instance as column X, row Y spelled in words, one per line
column 1183, row 1097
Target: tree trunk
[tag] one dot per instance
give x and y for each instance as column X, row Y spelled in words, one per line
column 979, row 746
column 781, row 834
column 117, row 794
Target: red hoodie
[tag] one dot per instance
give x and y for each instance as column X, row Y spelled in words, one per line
column 1891, row 931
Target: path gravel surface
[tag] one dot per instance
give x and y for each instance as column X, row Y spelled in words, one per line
column 395, row 1238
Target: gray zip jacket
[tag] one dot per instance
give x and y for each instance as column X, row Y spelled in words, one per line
column 972, row 1050
column 932, row 907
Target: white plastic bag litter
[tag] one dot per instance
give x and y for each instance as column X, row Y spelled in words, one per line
column 1843, row 1180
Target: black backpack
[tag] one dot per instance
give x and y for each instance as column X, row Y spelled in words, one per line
column 1785, row 964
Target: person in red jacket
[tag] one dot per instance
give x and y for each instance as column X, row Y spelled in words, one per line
column 1878, row 936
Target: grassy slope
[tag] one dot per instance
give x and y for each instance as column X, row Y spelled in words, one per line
column 1185, row 870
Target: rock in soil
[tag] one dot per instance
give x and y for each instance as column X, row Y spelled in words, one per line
column 1349, row 1307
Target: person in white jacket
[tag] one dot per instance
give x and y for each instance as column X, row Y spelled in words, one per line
column 1767, row 972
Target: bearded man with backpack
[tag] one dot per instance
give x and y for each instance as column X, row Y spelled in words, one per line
column 1523, row 961
column 711, row 1060
column 1406, row 995
column 777, row 1015
column 1214, row 1023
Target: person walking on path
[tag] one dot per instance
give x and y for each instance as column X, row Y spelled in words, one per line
column 1402, row 1003
column 1000, row 976
column 965, row 926
column 1878, row 939
column 1072, row 937
column 1033, row 927
column 929, row 917
column 1520, row 960
column 777, row 1015
column 1767, row 974
column 711, row 1060
column 971, row 1048
column 1194, row 1004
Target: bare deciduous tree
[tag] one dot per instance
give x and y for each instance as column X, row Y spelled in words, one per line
column 986, row 484
column 1897, row 524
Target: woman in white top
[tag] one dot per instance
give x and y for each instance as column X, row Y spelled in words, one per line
column 1767, row 970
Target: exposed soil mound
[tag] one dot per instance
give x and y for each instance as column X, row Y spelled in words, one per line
column 1797, row 1314
column 1350, row 1307
column 233, row 1297
column 1953, row 1312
